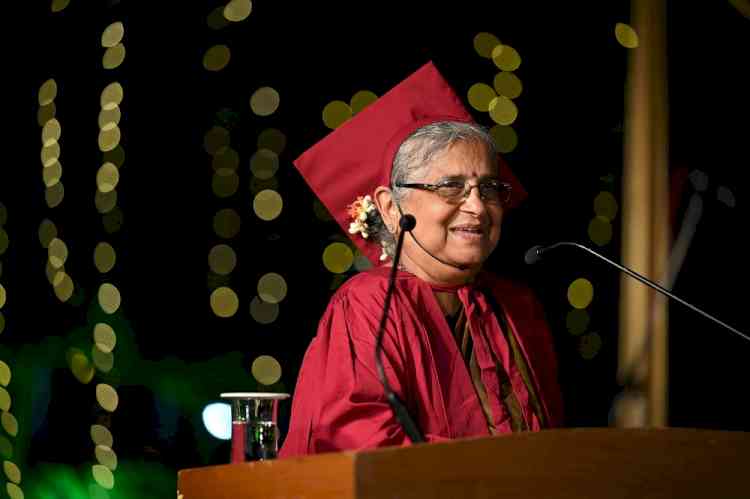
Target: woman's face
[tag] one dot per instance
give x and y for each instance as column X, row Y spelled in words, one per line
column 462, row 234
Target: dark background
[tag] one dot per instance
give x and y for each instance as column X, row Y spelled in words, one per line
column 174, row 356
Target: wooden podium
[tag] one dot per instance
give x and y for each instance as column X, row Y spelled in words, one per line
column 571, row 463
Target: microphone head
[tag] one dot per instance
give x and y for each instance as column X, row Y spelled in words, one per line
column 407, row 222
column 533, row 255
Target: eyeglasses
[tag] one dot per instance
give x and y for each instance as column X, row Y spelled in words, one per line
column 456, row 191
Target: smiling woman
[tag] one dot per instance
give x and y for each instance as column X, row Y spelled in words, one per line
column 468, row 352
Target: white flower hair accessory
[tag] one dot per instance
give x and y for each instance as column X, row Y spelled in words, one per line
column 358, row 211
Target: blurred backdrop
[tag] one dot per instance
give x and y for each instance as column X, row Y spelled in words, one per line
column 157, row 247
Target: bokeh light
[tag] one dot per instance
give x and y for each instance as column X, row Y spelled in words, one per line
column 9, row 423
column 2, row 323
column 577, row 321
column 107, row 177
column 216, row 19
column 109, row 118
column 361, row 262
column 107, row 397
column 222, row 259
column 215, row 140
column 104, row 257
column 106, row 456
column 105, row 201
column 600, row 231
column 264, row 163
column 257, row 184
column 109, row 298
column 80, row 366
column 227, row 223
column 226, row 159
column 268, row 204
column 503, row 111
column 63, row 286
column 4, row 241
column 238, row 10
column 58, row 252
column 59, row 5
column 266, row 370
column 626, row 35
column 103, row 476
column 113, row 57
column 12, row 472
column 104, row 361
column 272, row 288
column 51, row 132
column 47, row 92
column 54, row 195
column 105, row 338
column 5, row 374
column 5, row 401
column 580, row 293
column 508, row 84
column 361, row 100
column 46, row 113
column 505, row 138
column 116, row 156
column 111, row 96
column 52, row 174
column 216, row 58
column 225, row 182
column 485, row 43
column 3, row 296
column 3, row 214
column 112, row 34
column 605, row 205
column 725, row 195
column 338, row 257
column 263, row 312
column 50, row 154
column 265, row 101
column 335, row 113
column 589, row 345
column 506, row 57
column 6, row 447
column 13, row 490
column 272, row 139
column 109, row 139
column 217, row 418
column 101, row 435
column 224, row 302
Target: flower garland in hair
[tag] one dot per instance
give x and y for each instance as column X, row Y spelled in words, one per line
column 360, row 211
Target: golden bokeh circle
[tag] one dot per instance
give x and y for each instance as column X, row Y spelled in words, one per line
column 107, row 397
column 480, row 95
column 268, row 204
column 227, row 158
column 216, row 19
column 6, row 448
column 605, row 205
column 101, row 435
column 508, row 84
column 335, row 113
column 5, row 374
column 9, row 423
column 46, row 113
column 506, row 58
column 2, row 323
column 47, row 92
column 589, row 345
column 266, row 370
column 265, row 101
column 111, row 96
column 217, row 57
column 361, row 100
column 505, row 138
column 224, row 302
column 215, row 140
column 63, row 285
column 104, row 361
column 5, row 400
column 109, row 118
column 264, row 163
column 112, row 34
column 54, row 195
column 57, row 252
column 104, row 257
column 109, row 298
column 238, row 10
column 105, row 338
column 50, row 154
column 626, row 35
column 103, row 476
column 13, row 490
column 112, row 221
column 116, row 156
column 577, row 320
column 105, row 201
column 107, row 177
column 503, row 111
column 222, row 259
column 225, row 182
column 272, row 139
column 51, row 132
column 109, row 139
column 226, row 223
column 484, row 44
column 272, row 288
column 12, row 471
column 263, row 312
column 580, row 293
column 4, row 241
column 3, row 296
column 57, row 6
column 52, row 174
column 600, row 231
column 81, row 367
column 106, row 456
column 338, row 257
column 113, row 56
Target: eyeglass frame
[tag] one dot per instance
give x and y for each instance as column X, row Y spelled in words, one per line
column 467, row 189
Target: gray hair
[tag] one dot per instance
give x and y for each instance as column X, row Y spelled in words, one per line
column 414, row 156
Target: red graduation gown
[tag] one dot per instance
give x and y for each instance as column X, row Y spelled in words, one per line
column 339, row 404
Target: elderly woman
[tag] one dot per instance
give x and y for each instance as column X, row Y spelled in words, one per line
column 468, row 353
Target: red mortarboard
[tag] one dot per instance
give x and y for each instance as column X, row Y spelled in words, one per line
column 357, row 157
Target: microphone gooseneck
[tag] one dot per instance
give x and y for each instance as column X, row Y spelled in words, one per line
column 407, row 223
column 534, row 254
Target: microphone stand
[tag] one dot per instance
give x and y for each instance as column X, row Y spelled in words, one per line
column 406, row 223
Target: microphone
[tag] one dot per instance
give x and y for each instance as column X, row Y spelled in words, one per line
column 406, row 223
column 534, row 254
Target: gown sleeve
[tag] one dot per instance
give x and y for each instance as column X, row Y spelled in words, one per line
column 339, row 402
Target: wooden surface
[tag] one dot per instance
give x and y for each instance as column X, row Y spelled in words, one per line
column 553, row 464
